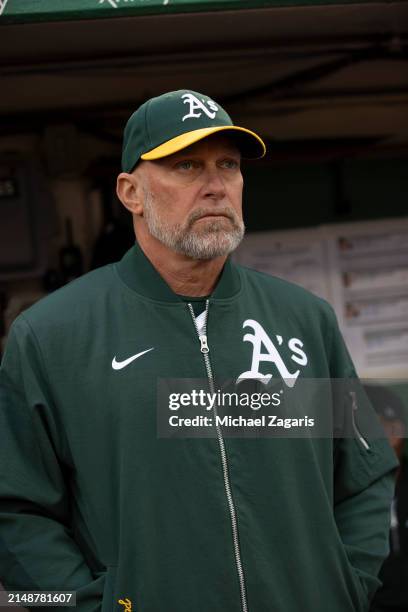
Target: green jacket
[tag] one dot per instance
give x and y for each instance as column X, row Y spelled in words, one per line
column 92, row 500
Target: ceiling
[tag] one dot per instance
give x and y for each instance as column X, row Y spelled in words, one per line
column 322, row 79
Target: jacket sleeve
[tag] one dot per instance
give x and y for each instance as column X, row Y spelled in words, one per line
column 37, row 550
column 364, row 472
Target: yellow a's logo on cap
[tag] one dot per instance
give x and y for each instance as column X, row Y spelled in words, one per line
column 126, row 603
column 198, row 105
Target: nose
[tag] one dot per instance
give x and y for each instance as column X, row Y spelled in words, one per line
column 214, row 187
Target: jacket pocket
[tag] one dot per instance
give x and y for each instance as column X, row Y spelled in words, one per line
column 108, row 603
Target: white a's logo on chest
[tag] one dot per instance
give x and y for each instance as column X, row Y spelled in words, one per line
column 198, row 107
column 260, row 339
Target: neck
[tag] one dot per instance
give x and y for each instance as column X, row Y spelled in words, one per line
column 185, row 276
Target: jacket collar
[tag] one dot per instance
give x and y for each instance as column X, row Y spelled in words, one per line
column 139, row 274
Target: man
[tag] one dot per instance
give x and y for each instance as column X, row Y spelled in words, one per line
column 92, row 500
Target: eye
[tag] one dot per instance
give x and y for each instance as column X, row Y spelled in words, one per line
column 230, row 164
column 186, row 164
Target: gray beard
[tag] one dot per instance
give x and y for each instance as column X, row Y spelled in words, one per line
column 214, row 240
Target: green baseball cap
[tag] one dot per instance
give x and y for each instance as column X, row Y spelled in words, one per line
column 175, row 120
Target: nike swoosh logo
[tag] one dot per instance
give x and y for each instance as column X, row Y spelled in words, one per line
column 118, row 365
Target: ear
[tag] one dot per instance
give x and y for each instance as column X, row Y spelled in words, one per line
column 130, row 192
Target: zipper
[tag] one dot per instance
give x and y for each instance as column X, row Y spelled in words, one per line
column 356, row 429
column 224, row 459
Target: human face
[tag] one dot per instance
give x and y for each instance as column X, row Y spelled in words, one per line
column 193, row 199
